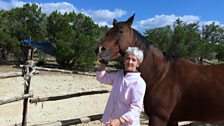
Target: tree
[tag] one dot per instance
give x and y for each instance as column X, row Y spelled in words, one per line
column 9, row 47
column 160, row 37
column 214, row 36
column 220, row 53
column 75, row 37
column 189, row 41
column 179, row 40
column 23, row 23
column 213, row 33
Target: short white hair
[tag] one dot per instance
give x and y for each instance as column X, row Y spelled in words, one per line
column 136, row 52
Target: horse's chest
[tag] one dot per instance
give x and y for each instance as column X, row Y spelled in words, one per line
column 159, row 93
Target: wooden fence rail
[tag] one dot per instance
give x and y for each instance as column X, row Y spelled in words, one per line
column 72, row 121
column 51, row 69
column 10, row 100
column 54, row 98
column 11, row 74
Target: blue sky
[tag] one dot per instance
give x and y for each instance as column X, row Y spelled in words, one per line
column 148, row 13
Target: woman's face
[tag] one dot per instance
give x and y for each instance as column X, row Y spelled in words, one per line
column 130, row 63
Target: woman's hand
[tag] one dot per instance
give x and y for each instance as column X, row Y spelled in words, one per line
column 101, row 67
column 106, row 55
column 115, row 122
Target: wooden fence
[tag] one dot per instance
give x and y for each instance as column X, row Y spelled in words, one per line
column 29, row 97
column 29, row 69
column 14, row 99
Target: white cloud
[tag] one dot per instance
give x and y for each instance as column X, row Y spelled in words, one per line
column 46, row 7
column 12, row 4
column 60, row 7
column 4, row 5
column 103, row 23
column 210, row 22
column 102, row 17
column 190, row 19
column 17, row 3
column 105, row 15
column 163, row 20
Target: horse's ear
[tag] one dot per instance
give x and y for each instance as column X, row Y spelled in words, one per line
column 130, row 20
column 114, row 22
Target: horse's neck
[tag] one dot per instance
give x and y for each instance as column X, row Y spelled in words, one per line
column 153, row 65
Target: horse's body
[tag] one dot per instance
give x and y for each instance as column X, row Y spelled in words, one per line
column 180, row 90
column 176, row 90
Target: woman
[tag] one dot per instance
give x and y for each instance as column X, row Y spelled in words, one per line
column 126, row 99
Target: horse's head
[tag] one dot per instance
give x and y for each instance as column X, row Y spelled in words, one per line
column 117, row 39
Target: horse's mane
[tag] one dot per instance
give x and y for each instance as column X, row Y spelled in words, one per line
column 144, row 45
column 141, row 41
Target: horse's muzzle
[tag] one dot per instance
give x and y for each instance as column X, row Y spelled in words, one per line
column 98, row 51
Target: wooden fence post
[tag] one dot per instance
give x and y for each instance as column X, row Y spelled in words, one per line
column 27, row 77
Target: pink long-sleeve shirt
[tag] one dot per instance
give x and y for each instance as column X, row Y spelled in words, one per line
column 126, row 97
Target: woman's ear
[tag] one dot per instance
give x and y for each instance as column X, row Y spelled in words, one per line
column 138, row 64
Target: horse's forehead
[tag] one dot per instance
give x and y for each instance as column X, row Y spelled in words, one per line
column 113, row 36
column 123, row 26
column 114, row 31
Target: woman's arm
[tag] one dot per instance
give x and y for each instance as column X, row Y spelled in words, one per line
column 137, row 95
column 103, row 76
column 101, row 67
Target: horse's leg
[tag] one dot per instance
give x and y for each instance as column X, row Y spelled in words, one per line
column 160, row 115
column 161, row 120
column 156, row 121
column 172, row 123
column 161, row 104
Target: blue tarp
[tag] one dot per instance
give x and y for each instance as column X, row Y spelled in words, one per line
column 45, row 47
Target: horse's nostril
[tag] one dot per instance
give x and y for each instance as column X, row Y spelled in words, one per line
column 103, row 48
column 97, row 50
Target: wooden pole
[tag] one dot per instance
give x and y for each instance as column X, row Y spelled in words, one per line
column 10, row 100
column 11, row 74
column 54, row 70
column 54, row 98
column 73, row 121
column 27, row 77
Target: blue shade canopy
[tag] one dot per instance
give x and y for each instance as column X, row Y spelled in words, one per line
column 45, row 47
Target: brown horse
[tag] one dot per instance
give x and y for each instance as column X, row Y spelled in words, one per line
column 177, row 90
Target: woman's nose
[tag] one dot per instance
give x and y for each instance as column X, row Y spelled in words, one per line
column 130, row 61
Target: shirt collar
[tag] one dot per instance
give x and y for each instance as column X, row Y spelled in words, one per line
column 125, row 72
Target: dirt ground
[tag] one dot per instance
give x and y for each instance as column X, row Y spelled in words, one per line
column 55, row 112
column 60, row 112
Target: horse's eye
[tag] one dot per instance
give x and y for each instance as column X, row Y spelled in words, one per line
column 120, row 32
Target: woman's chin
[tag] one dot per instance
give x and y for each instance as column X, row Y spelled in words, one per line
column 130, row 69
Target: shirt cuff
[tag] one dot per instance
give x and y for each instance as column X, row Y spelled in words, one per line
column 127, row 120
